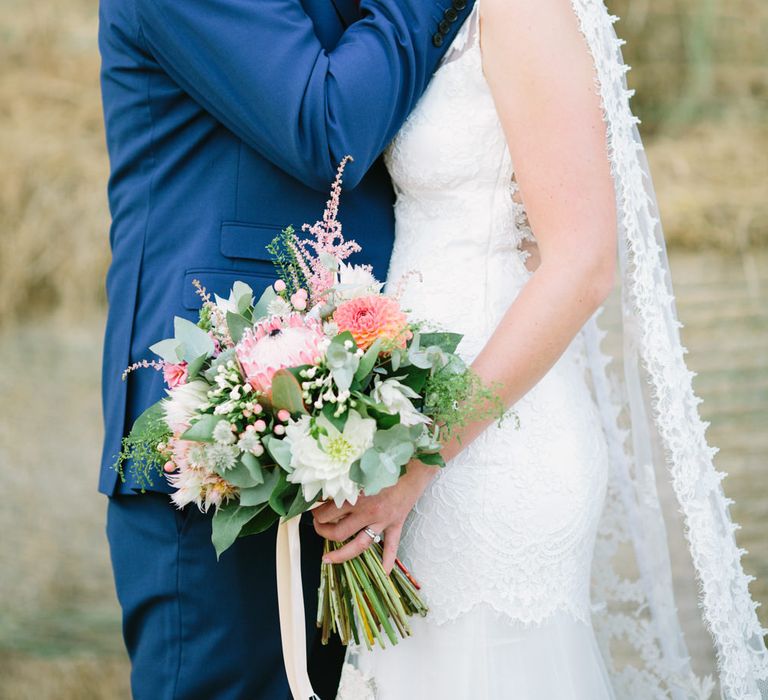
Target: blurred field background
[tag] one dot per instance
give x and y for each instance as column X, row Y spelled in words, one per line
column 701, row 70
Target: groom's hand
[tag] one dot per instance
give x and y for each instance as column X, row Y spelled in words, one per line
column 383, row 513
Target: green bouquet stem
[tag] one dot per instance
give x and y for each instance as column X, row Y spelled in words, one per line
column 359, row 601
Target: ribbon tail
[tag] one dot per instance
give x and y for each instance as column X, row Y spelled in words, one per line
column 290, row 600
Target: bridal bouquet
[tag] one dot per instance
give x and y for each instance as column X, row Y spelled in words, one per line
column 321, row 389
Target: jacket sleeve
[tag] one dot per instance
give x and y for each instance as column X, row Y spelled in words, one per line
column 259, row 68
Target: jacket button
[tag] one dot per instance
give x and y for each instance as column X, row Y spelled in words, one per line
column 444, row 26
column 459, row 4
column 437, row 40
column 451, row 15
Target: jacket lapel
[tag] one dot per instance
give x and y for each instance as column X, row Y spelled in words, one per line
column 348, row 10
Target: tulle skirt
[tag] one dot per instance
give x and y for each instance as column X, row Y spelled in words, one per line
column 483, row 655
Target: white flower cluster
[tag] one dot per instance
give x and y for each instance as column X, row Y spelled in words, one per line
column 322, row 465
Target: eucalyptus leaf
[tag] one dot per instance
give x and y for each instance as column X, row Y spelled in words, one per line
column 277, row 500
column 243, row 296
column 280, row 451
column 447, row 342
column 253, row 466
column 202, row 429
column 155, row 413
column 264, row 519
column 256, row 495
column 222, row 359
column 338, row 422
column 260, row 310
column 432, row 459
column 387, row 439
column 227, row 523
column 367, row 361
column 379, row 472
column 244, row 476
column 343, row 376
column 196, row 341
column 286, row 392
column 237, row 325
column 396, row 358
column 171, row 350
column 299, row 505
column 194, row 367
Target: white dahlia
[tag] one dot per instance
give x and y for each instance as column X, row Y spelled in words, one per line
column 323, row 465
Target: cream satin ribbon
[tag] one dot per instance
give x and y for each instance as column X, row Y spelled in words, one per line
column 290, row 602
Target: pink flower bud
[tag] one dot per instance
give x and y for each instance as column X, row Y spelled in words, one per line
column 169, row 467
column 283, row 415
column 279, row 429
column 299, row 302
column 260, row 426
column 257, row 408
column 279, row 286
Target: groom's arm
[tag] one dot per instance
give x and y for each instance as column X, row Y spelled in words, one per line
column 259, row 68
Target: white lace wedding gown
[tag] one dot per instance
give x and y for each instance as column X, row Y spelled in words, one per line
column 502, row 541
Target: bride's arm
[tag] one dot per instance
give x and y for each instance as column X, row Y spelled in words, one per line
column 543, row 82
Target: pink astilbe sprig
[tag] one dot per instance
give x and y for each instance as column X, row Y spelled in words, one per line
column 326, row 241
column 143, row 364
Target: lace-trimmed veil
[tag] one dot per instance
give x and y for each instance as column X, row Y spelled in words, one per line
column 661, row 464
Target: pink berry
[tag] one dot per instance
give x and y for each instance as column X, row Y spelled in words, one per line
column 279, row 429
column 260, row 426
column 283, row 415
column 169, row 467
column 279, row 286
column 299, row 302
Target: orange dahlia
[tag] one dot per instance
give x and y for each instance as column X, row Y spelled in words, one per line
column 372, row 317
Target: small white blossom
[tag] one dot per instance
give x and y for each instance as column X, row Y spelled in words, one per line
column 396, row 397
column 279, row 307
column 220, row 458
column 249, row 442
column 222, row 433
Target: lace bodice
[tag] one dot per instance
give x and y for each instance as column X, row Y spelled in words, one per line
column 516, row 503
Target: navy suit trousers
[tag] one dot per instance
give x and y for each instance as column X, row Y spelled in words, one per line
column 198, row 629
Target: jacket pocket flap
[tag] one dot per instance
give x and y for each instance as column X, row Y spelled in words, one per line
column 220, row 282
column 240, row 240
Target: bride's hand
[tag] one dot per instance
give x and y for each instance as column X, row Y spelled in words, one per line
column 383, row 513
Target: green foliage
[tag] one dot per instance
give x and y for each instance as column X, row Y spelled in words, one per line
column 454, row 399
column 286, row 392
column 283, row 251
column 237, row 324
column 139, row 448
column 228, row 521
column 202, row 429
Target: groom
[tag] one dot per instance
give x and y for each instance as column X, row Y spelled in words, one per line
column 225, row 122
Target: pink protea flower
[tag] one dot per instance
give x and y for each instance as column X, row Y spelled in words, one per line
column 175, row 375
column 278, row 343
column 371, row 317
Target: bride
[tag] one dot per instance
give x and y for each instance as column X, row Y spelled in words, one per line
column 541, row 547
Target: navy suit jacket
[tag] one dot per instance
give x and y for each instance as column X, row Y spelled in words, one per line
column 225, row 122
